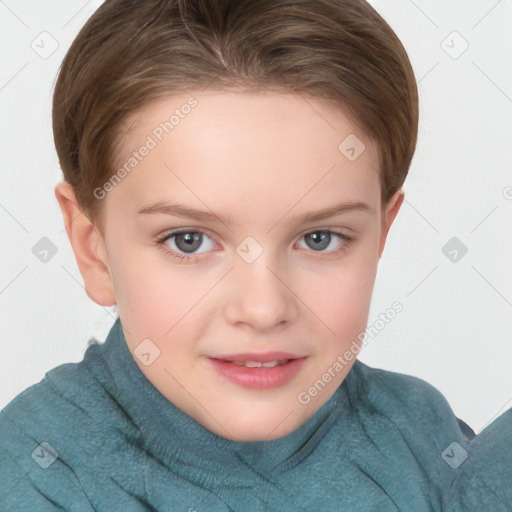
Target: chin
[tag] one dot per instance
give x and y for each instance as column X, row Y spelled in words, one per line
column 255, row 435
column 249, row 429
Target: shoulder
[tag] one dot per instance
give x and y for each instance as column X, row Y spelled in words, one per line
column 479, row 467
column 409, row 410
column 484, row 478
column 53, row 435
column 68, row 394
column 401, row 397
column 29, row 426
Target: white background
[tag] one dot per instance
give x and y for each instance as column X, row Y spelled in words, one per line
column 455, row 329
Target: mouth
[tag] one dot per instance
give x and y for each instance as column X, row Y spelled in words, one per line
column 263, row 371
column 256, row 364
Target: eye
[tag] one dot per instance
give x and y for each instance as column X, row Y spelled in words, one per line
column 183, row 244
column 320, row 240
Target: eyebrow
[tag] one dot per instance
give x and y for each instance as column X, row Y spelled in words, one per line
column 180, row 210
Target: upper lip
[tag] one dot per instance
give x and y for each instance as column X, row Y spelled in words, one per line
column 260, row 358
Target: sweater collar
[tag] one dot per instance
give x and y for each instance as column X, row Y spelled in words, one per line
column 184, row 445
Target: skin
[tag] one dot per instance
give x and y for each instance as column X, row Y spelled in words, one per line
column 261, row 159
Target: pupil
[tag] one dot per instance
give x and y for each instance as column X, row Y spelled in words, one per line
column 188, row 241
column 320, row 237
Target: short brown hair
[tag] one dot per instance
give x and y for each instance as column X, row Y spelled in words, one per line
column 133, row 51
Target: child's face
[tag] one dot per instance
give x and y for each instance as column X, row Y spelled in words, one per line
column 261, row 161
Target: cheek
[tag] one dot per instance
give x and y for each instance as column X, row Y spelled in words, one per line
column 156, row 298
column 143, row 294
column 340, row 296
column 343, row 305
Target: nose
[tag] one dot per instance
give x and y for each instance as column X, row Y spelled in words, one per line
column 260, row 298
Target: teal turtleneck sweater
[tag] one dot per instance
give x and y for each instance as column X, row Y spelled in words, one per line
column 98, row 436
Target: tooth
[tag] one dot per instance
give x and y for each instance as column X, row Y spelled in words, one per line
column 257, row 364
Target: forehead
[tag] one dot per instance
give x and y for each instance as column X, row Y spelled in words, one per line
column 220, row 147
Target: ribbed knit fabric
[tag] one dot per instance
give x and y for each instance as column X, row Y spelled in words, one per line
column 98, row 436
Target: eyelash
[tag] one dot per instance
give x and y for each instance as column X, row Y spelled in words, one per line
column 160, row 242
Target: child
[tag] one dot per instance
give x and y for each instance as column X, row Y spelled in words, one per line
column 207, row 147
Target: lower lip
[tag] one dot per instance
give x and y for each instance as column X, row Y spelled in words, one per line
column 258, row 378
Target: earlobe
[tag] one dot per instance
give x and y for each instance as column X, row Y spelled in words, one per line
column 389, row 216
column 88, row 247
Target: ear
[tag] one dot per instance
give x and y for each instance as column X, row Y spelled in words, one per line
column 88, row 245
column 390, row 213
